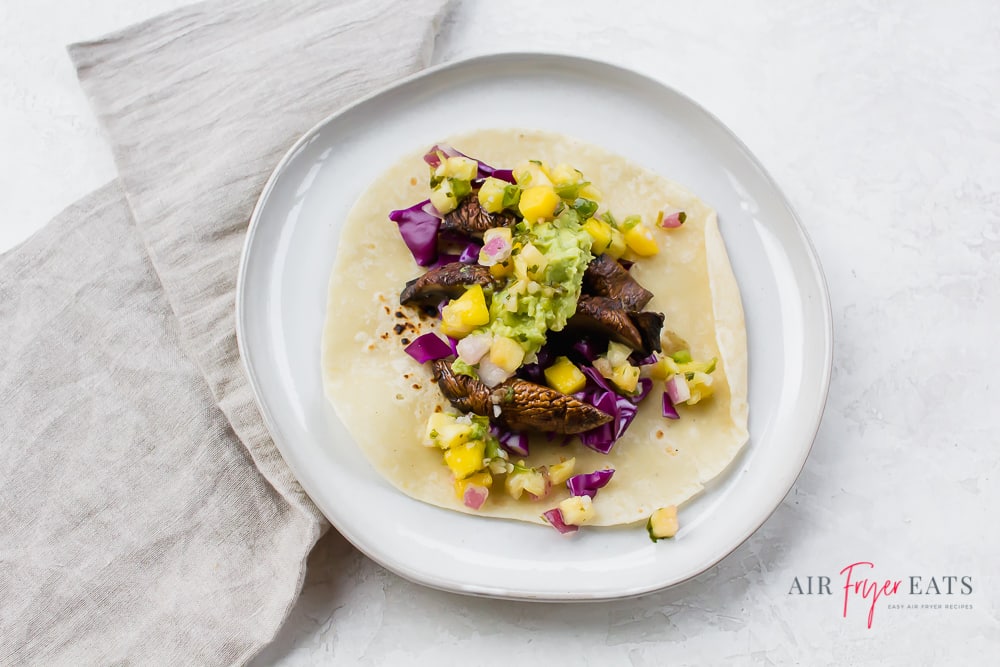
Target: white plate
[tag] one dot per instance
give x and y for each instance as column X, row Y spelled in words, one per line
column 281, row 298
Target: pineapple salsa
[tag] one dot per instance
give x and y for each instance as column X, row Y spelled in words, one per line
column 545, row 326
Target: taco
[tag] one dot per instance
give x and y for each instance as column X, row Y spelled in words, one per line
column 613, row 339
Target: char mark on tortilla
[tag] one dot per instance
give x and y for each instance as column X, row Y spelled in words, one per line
column 606, row 277
column 522, row 405
column 471, row 219
column 448, row 281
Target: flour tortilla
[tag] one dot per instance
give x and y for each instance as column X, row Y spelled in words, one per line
column 384, row 397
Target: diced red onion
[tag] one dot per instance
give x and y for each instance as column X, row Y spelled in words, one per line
column 475, row 496
column 669, row 411
column 587, row 484
column 496, row 250
column 674, row 220
column 472, row 348
column 555, row 518
column 428, row 347
column 677, row 388
column 490, row 373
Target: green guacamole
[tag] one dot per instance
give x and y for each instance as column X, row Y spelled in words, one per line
column 566, row 248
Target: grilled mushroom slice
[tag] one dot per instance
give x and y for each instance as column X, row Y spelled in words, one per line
column 468, row 394
column 640, row 331
column 450, row 280
column 606, row 277
column 522, row 405
column 649, row 325
column 471, row 219
column 528, row 406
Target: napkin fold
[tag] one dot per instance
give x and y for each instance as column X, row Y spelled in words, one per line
column 145, row 514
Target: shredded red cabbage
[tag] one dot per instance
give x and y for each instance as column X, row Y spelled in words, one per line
column 588, row 484
column 419, row 229
column 535, row 372
column 515, row 443
column 623, row 408
column 428, row 348
column 555, row 518
column 433, row 158
column 589, row 349
column 669, row 411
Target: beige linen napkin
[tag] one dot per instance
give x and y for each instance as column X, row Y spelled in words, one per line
column 145, row 514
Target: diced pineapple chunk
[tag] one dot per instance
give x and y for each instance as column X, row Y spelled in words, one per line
column 617, row 247
column 560, row 472
column 444, row 198
column 564, row 376
column 531, row 173
column 435, row 424
column 503, row 269
column 465, row 313
column 462, row 168
column 538, row 203
column 625, row 377
column 662, row 523
column 663, row 368
column 506, row 353
column 701, row 387
column 453, row 435
column 590, row 192
column 530, row 263
column 466, row 459
column 640, row 240
column 618, row 353
column 600, row 234
column 491, row 195
column 522, row 480
column 577, row 510
column 483, row 479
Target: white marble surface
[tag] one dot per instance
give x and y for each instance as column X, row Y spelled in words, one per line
column 880, row 120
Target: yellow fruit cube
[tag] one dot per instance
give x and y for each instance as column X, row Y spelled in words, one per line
column 560, row 472
column 530, row 263
column 483, row 479
column 503, row 269
column 435, row 424
column 531, row 173
column 617, row 247
column 506, row 353
column 590, row 192
column 625, row 377
column 466, row 459
column 577, row 510
column 465, row 313
column 564, row 376
column 564, row 175
column 491, row 195
column 600, row 234
column 538, row 203
column 663, row 523
column 640, row 240
column 453, row 435
column 663, row 368
column 523, row 480
column 701, row 387
column 444, row 198
column 462, row 168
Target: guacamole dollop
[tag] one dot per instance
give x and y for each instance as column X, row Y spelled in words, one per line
column 542, row 294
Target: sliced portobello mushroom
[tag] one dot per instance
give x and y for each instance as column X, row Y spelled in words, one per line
column 448, row 281
column 606, row 277
column 471, row 219
column 606, row 316
column 523, row 405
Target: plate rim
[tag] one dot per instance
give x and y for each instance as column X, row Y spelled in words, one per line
column 400, row 567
